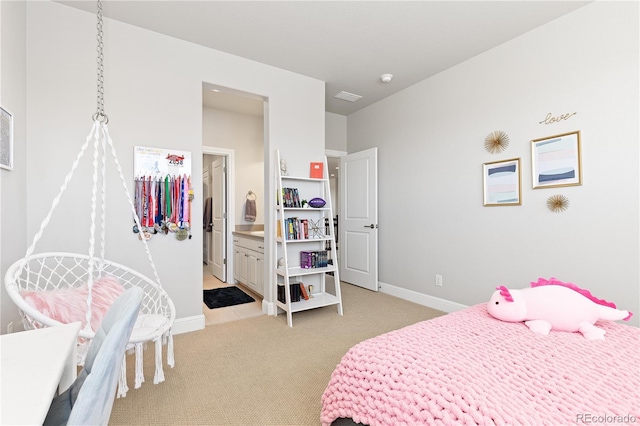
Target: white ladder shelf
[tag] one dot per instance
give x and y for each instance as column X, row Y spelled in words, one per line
column 289, row 245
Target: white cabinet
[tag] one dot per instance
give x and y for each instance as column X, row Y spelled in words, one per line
column 260, row 271
column 249, row 262
column 239, row 262
column 252, row 268
column 255, row 268
column 305, row 244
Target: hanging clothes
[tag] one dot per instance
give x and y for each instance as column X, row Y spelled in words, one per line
column 207, row 219
column 163, row 203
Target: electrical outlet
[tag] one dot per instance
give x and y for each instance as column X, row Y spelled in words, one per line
column 439, row 280
column 10, row 328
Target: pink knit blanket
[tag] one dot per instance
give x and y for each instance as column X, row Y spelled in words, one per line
column 467, row 368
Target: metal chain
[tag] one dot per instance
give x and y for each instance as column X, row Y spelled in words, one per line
column 100, row 115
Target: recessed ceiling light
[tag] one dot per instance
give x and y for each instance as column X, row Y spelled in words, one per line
column 346, row 96
column 386, row 78
column 216, row 90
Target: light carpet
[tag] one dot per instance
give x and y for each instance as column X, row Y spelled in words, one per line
column 258, row 371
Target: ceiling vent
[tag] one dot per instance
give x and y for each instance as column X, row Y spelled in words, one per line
column 346, row 96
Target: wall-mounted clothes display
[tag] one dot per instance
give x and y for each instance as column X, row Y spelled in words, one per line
column 164, row 204
column 163, row 192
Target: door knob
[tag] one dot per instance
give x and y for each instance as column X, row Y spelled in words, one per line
column 370, row 226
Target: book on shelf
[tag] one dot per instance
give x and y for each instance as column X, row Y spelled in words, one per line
column 294, row 291
column 291, row 234
column 316, row 171
column 303, row 291
column 314, row 259
column 296, row 198
column 297, row 229
column 291, row 197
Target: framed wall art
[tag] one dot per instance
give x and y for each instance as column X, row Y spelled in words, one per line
column 556, row 161
column 502, row 183
column 6, row 139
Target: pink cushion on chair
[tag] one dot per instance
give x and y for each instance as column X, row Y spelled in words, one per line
column 70, row 304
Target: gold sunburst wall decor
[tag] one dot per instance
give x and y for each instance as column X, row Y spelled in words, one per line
column 496, row 142
column 557, row 203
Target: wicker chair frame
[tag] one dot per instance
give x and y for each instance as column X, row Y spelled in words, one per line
column 55, row 271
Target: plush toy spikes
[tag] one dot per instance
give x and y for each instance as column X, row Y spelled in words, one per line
column 586, row 293
column 504, row 292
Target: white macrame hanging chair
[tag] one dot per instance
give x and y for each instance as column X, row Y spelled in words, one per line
column 54, row 271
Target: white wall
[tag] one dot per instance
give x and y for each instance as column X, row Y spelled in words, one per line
column 153, row 87
column 13, row 91
column 245, row 135
column 335, row 132
column 336, row 140
column 430, row 139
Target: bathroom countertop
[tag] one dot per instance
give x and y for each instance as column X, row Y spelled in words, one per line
column 257, row 235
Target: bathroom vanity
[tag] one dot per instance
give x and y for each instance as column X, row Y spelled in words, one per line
column 248, row 252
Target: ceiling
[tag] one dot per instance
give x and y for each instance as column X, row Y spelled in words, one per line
column 217, row 98
column 347, row 44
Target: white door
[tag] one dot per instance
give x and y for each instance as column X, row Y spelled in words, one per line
column 218, row 214
column 359, row 218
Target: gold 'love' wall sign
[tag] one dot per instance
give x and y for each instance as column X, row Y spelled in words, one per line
column 550, row 118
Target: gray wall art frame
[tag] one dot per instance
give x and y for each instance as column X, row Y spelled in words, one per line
column 6, row 139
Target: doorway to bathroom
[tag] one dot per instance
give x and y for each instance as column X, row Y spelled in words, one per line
column 233, row 157
column 233, row 139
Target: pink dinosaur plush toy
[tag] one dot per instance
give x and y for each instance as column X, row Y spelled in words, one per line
column 552, row 304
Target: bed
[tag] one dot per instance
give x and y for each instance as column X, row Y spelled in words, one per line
column 468, row 368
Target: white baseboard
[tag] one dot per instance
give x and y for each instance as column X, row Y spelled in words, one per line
column 195, row 323
column 420, row 298
column 268, row 308
column 189, row 324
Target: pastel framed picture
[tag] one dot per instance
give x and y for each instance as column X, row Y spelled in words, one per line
column 556, row 161
column 502, row 183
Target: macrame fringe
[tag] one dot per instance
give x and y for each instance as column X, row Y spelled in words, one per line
column 170, row 360
column 81, row 350
column 159, row 376
column 122, row 381
column 139, row 367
